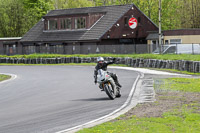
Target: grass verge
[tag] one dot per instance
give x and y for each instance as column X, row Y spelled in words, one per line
column 67, row 64
column 4, row 77
column 177, row 110
column 175, row 71
column 144, row 56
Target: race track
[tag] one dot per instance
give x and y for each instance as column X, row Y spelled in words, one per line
column 47, row 99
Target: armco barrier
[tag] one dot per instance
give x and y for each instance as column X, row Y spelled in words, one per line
column 182, row 65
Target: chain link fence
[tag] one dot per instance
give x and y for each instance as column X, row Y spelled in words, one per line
column 99, row 49
column 178, row 49
column 78, row 49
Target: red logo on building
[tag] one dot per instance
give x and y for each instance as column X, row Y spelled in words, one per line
column 132, row 23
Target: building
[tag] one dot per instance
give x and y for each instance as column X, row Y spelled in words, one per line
column 102, row 29
column 119, row 29
column 179, row 36
column 10, row 45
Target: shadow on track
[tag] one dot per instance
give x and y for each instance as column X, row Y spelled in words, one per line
column 93, row 99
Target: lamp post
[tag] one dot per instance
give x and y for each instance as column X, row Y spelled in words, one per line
column 160, row 40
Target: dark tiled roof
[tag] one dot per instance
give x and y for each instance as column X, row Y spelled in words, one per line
column 181, row 32
column 74, row 11
column 152, row 36
column 112, row 14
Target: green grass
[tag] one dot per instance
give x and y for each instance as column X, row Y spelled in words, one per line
column 175, row 71
column 4, row 77
column 145, row 56
column 180, row 84
column 182, row 119
column 67, row 64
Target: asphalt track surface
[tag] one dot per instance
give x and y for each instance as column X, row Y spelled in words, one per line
column 48, row 99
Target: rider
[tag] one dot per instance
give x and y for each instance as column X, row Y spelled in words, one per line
column 101, row 64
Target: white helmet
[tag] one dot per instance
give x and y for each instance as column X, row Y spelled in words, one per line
column 100, row 59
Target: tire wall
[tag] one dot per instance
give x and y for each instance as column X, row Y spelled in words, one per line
column 181, row 65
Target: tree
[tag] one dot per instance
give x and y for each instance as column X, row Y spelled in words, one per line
column 11, row 20
column 36, row 9
column 190, row 13
column 18, row 16
column 65, row 4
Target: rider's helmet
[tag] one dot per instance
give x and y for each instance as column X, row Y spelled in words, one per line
column 100, row 61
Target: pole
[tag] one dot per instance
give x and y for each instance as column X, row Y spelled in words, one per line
column 160, row 41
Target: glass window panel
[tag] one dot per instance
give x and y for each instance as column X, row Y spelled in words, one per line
column 175, row 41
column 125, row 21
column 66, row 23
column 80, row 23
column 53, row 25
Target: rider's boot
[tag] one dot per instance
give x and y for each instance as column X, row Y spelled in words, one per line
column 117, row 83
column 100, row 86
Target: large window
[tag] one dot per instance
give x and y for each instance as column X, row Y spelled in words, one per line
column 68, row 23
column 80, row 23
column 65, row 23
column 52, row 24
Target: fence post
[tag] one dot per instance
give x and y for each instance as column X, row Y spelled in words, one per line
column 192, row 48
column 135, row 48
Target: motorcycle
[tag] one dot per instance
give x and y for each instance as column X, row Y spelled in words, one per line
column 107, row 84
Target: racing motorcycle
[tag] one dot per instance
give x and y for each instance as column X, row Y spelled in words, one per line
column 107, row 84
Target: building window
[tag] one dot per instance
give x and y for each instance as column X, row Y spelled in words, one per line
column 166, row 41
column 30, row 49
column 80, row 23
column 52, row 24
column 58, row 49
column 139, row 19
column 65, row 23
column 175, row 41
column 126, row 21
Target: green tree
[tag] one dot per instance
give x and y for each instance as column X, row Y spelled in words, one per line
column 190, row 13
column 65, row 4
column 11, row 20
column 35, row 9
column 18, row 16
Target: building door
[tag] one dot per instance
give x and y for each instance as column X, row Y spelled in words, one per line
column 10, row 49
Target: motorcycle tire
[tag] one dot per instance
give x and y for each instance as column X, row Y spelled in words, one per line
column 109, row 91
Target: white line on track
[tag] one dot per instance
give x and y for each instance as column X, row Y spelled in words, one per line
column 13, row 76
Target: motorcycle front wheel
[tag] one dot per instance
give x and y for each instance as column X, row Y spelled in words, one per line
column 109, row 91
